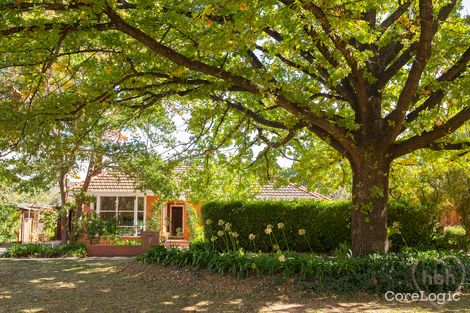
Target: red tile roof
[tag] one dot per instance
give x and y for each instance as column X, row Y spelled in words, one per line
column 112, row 182
column 289, row 192
column 117, row 182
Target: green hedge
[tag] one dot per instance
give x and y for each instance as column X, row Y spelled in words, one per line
column 327, row 224
column 376, row 272
column 43, row 251
column 418, row 224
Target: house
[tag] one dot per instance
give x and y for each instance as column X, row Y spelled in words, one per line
column 117, row 196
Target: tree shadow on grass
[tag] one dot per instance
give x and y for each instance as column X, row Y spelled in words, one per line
column 90, row 285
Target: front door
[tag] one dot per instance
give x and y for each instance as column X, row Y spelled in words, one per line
column 176, row 221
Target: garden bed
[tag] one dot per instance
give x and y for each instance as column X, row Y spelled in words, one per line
column 45, row 251
column 378, row 272
column 128, row 248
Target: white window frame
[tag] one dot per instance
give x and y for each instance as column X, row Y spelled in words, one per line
column 136, row 197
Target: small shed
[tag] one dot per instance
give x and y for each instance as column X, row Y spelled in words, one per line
column 31, row 227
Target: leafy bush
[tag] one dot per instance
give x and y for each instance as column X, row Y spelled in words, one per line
column 49, row 218
column 326, row 224
column 122, row 242
column 43, row 251
column 154, row 221
column 10, row 223
column 452, row 238
column 93, row 227
column 193, row 222
column 377, row 272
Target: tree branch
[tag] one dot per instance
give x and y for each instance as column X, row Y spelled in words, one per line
column 359, row 81
column 395, row 15
column 394, row 120
column 427, row 139
column 239, row 81
column 56, row 26
column 274, row 145
column 388, row 52
column 253, row 115
column 436, row 96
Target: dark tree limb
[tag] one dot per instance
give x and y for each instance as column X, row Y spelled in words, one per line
column 239, row 81
column 395, row 15
column 436, row 97
column 253, row 115
column 428, row 139
column 49, row 26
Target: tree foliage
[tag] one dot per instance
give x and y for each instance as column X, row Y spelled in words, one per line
column 373, row 80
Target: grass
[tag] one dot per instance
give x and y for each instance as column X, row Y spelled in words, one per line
column 122, row 285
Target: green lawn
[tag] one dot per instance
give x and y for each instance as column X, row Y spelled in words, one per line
column 117, row 285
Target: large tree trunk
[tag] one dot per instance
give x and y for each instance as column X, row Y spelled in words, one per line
column 369, row 216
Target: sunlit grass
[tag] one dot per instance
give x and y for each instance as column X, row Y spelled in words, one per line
column 127, row 286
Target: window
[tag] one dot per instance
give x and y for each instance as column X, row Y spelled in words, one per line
column 126, row 203
column 140, row 214
column 129, row 212
column 108, row 204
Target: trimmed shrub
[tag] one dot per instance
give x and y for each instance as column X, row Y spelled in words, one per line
column 376, row 272
column 43, row 251
column 417, row 224
column 327, row 224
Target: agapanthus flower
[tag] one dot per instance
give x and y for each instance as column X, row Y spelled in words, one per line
column 269, row 229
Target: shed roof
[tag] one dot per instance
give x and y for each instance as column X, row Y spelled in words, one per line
column 34, row 206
